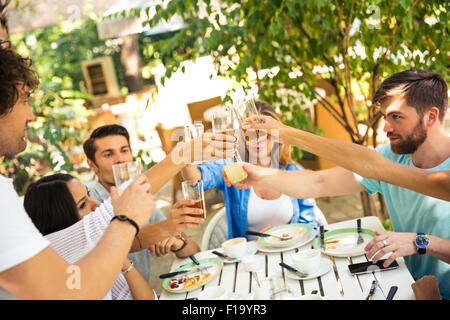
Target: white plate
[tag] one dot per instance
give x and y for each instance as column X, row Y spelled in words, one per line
column 298, row 231
column 325, row 266
column 347, row 242
column 251, row 250
column 292, row 246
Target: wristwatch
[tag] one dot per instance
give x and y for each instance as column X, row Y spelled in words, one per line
column 185, row 242
column 421, row 243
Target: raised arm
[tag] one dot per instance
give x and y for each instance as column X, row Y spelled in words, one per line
column 214, row 147
column 302, row 184
column 362, row 160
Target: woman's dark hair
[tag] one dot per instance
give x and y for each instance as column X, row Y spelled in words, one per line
column 15, row 71
column 50, row 204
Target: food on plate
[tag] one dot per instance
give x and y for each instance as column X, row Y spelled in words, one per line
column 193, row 281
column 331, row 243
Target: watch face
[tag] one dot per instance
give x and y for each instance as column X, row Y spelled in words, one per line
column 422, row 241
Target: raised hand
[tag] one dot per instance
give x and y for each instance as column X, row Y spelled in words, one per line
column 182, row 216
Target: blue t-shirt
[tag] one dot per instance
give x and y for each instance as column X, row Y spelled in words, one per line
column 414, row 212
column 236, row 200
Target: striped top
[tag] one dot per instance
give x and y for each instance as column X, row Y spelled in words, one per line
column 76, row 241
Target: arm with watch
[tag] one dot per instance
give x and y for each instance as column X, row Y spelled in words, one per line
column 402, row 244
column 167, row 235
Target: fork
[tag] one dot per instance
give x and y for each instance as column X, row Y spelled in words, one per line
column 360, row 238
column 255, row 233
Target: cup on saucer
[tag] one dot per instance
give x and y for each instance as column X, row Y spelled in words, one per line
column 235, row 248
column 307, row 261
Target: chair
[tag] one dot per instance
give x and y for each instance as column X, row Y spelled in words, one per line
column 198, row 108
column 216, row 231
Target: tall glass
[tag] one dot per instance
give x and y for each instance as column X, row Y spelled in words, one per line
column 193, row 190
column 125, row 172
column 225, row 121
column 243, row 111
column 192, row 132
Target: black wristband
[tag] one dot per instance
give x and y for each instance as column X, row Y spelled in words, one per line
column 125, row 218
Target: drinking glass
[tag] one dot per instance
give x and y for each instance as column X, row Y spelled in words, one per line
column 225, row 121
column 193, row 190
column 125, row 172
column 192, row 132
column 243, row 111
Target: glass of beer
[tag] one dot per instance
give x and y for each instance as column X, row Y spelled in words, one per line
column 125, row 172
column 193, row 190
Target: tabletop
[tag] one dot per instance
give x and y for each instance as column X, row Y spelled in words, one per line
column 336, row 284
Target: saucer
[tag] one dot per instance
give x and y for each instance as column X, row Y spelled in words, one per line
column 325, row 266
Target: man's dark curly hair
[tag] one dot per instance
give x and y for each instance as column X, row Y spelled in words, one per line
column 14, row 71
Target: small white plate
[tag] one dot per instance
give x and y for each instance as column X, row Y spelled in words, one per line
column 292, row 246
column 251, row 250
column 325, row 266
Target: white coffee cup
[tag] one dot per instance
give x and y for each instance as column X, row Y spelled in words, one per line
column 264, row 291
column 307, row 261
column 235, row 248
column 214, row 293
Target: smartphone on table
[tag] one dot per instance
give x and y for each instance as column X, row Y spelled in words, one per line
column 370, row 266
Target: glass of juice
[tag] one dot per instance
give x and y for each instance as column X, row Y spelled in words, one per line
column 193, row 190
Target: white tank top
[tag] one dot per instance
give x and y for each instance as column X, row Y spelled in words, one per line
column 262, row 213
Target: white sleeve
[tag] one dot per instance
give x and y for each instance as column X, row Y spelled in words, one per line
column 76, row 241
column 20, row 240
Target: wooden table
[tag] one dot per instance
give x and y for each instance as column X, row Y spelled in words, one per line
column 241, row 284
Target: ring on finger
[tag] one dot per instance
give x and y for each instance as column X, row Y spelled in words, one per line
column 384, row 243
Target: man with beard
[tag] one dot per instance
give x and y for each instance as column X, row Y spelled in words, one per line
column 413, row 104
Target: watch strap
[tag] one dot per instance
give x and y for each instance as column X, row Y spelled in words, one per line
column 125, row 218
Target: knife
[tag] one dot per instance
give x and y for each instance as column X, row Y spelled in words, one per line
column 322, row 238
column 341, row 290
column 360, row 239
column 372, row 290
column 392, row 292
column 292, row 269
column 185, row 272
column 194, row 259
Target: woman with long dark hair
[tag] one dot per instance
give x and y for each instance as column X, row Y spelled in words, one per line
column 58, row 201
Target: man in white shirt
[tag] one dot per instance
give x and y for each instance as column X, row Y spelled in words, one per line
column 29, row 268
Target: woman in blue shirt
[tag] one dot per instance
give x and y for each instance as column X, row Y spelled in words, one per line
column 261, row 207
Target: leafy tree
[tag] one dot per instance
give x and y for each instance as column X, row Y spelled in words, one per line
column 350, row 45
column 287, row 48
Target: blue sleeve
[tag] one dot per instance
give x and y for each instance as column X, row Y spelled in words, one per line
column 212, row 175
column 307, row 212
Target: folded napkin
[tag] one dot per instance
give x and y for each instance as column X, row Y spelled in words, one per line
column 426, row 288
